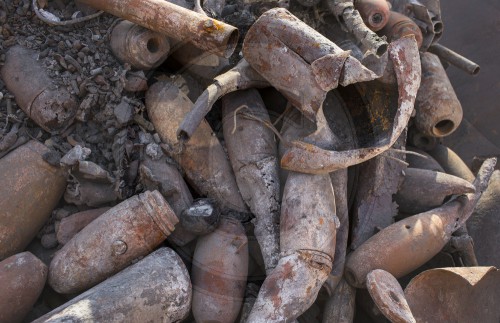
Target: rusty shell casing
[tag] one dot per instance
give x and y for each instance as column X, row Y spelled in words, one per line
column 71, row 225
column 174, row 21
column 22, row 278
column 155, row 289
column 50, row 107
column 219, row 273
column 202, row 158
column 399, row 26
column 438, row 110
column 253, row 153
column 451, row 162
column 140, row 47
column 112, row 242
column 30, row 190
column 375, row 13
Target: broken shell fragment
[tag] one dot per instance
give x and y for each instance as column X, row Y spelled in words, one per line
column 201, row 217
column 113, row 241
column 375, row 13
column 219, row 273
column 399, row 26
column 141, row 48
column 471, row 294
column 389, row 296
column 438, row 110
column 52, row 108
column 30, row 190
column 155, row 289
column 22, row 278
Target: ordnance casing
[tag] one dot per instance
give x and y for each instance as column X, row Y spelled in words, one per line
column 155, row 289
column 438, row 110
column 140, row 47
column 113, row 241
column 341, row 306
column 425, row 161
column 30, row 190
column 219, row 273
column 399, row 26
column 375, row 13
column 22, row 278
column 202, row 158
column 71, row 225
column 451, row 162
column 52, row 108
column 174, row 21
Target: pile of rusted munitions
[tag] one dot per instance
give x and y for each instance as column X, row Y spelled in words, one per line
column 301, row 179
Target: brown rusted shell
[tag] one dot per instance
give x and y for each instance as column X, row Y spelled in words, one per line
column 30, row 190
column 176, row 22
column 219, row 273
column 202, row 158
column 22, row 278
column 451, row 162
column 155, row 289
column 467, row 294
column 52, row 108
column 438, row 110
column 71, row 225
column 399, row 26
column 375, row 13
column 140, row 47
column 113, row 241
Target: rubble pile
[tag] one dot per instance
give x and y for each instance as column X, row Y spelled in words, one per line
column 239, row 161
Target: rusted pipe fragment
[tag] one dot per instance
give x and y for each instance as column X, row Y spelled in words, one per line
column 375, row 13
column 113, row 241
column 308, row 158
column 219, row 273
column 438, row 110
column 472, row 295
column 71, row 225
column 52, row 108
column 141, row 48
column 22, row 278
column 155, row 289
column 30, row 190
column 341, row 306
column 423, row 190
column 455, row 59
column 174, row 21
column 399, row 26
column 451, row 162
column 240, row 77
column 202, row 158
column 252, row 150
column 389, row 296
column 409, row 243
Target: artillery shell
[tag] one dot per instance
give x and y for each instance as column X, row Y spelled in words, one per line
column 71, row 225
column 22, row 278
column 451, row 162
column 375, row 13
column 202, row 158
column 399, row 26
column 219, row 273
column 50, row 107
column 140, row 47
column 425, row 161
column 340, row 306
column 252, row 151
column 30, row 190
column 438, row 110
column 113, row 241
column 423, row 190
column 155, row 289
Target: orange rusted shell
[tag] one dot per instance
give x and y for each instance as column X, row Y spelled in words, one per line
column 375, row 13
column 399, row 26
column 466, row 294
column 71, row 225
column 219, row 273
column 30, row 190
column 22, row 278
column 111, row 242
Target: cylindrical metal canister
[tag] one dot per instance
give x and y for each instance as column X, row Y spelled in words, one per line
column 399, row 26
column 375, row 13
column 140, row 47
column 438, row 110
column 111, row 242
column 30, row 190
column 155, row 289
column 71, row 225
column 219, row 273
column 22, row 278
column 52, row 108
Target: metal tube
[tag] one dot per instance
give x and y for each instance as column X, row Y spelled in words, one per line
column 455, row 59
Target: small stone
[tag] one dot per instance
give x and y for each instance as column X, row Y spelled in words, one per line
column 201, row 217
column 154, row 151
column 49, row 241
